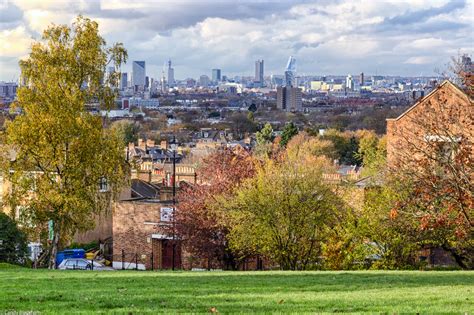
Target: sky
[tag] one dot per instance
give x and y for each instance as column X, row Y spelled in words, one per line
column 391, row 37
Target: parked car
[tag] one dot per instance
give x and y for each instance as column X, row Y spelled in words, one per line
column 81, row 264
column 70, row 253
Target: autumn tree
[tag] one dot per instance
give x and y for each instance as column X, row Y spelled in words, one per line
column 372, row 153
column 346, row 145
column 391, row 241
column 463, row 71
column 197, row 220
column 66, row 167
column 127, row 130
column 284, row 211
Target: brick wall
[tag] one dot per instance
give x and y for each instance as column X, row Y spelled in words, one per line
column 134, row 223
column 447, row 108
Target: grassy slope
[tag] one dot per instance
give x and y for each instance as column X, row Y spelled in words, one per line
column 151, row 292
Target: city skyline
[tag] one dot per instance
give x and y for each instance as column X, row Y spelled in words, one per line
column 409, row 38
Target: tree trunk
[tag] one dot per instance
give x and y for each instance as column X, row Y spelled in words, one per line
column 54, row 245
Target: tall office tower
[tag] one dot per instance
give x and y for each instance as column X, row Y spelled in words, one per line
column 289, row 99
column 147, row 82
column 204, row 80
column 466, row 62
column 259, row 72
column 349, row 83
column 8, row 89
column 123, row 80
column 362, row 78
column 164, row 85
column 216, row 75
column 290, row 72
column 170, row 74
column 138, row 75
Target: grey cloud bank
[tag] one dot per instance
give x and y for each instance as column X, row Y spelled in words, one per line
column 337, row 37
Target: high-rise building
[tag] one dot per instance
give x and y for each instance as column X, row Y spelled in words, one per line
column 349, row 83
column 163, row 83
column 139, row 74
column 466, row 62
column 362, row 82
column 8, row 92
column 290, row 72
column 8, row 89
column 216, row 75
column 289, row 99
column 171, row 82
column 259, row 72
column 124, row 80
column 204, row 80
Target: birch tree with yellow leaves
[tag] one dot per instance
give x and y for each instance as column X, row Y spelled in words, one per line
column 63, row 166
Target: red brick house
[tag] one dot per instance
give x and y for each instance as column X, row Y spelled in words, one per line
column 433, row 142
column 141, row 229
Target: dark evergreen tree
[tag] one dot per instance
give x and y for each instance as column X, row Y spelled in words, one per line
column 13, row 246
column 289, row 132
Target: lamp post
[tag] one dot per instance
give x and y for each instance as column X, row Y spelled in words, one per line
column 173, row 146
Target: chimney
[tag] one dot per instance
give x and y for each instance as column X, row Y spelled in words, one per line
column 141, row 144
column 164, row 145
column 150, row 143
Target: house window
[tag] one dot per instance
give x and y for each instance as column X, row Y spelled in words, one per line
column 445, row 147
column 103, row 185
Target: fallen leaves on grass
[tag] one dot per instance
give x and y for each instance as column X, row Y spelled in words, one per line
column 213, row 310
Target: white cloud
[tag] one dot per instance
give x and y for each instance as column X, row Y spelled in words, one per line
column 15, row 42
column 339, row 37
column 39, row 20
column 420, row 60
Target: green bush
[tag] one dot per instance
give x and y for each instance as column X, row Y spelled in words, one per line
column 13, row 246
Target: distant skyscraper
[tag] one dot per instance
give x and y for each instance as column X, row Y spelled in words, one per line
column 362, row 78
column 259, row 72
column 164, row 87
column 170, row 74
column 190, row 82
column 8, row 89
column 124, row 80
column 290, row 72
column 466, row 62
column 147, row 82
column 204, row 80
column 139, row 74
column 216, row 75
column 289, row 99
column 349, row 83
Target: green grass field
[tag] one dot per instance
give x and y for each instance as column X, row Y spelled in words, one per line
column 138, row 292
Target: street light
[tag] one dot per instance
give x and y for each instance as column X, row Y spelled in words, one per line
column 173, row 146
